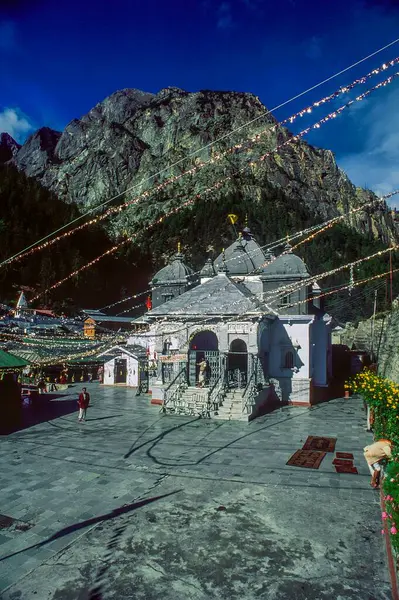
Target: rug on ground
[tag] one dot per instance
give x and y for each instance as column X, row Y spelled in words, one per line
column 307, row 459
column 323, row 444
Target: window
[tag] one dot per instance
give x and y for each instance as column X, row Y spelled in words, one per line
column 289, row 360
column 285, row 300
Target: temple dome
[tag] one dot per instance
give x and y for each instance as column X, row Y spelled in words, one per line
column 174, row 272
column 243, row 257
column 208, row 270
column 287, row 264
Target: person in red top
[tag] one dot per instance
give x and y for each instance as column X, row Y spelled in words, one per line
column 83, row 403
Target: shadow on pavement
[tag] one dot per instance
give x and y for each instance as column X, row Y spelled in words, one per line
column 103, row 418
column 158, row 437
column 106, row 517
column 46, row 407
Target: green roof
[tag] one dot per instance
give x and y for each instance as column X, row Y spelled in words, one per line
column 10, row 361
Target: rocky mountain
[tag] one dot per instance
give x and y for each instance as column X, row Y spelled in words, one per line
column 8, row 147
column 132, row 135
column 133, row 141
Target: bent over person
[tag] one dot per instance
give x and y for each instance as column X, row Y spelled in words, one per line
column 83, row 403
column 374, row 455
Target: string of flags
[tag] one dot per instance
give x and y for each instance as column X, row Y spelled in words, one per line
column 217, row 185
column 218, row 156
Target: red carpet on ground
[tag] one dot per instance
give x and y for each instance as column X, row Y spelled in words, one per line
column 342, row 462
column 324, row 444
column 307, row 459
column 344, row 455
column 346, row 469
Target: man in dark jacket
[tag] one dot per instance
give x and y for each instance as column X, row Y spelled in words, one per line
column 83, row 403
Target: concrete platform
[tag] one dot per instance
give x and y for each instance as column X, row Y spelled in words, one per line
column 136, row 504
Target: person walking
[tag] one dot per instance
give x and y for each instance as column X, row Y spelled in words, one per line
column 374, row 455
column 83, row 403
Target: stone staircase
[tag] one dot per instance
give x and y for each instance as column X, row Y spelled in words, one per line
column 232, row 407
column 190, row 401
column 196, row 400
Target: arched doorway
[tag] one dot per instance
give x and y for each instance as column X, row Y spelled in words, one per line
column 237, row 363
column 204, row 345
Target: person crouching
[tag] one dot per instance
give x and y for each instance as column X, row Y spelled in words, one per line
column 374, row 455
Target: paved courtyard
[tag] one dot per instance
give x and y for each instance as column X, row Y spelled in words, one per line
column 136, row 505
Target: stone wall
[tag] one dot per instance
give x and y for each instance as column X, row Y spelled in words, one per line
column 360, row 337
column 388, row 363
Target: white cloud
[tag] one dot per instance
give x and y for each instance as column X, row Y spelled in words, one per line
column 377, row 165
column 12, row 121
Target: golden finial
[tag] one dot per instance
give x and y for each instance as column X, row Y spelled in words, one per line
column 178, row 247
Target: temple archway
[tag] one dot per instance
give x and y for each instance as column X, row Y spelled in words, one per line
column 204, row 345
column 204, row 340
column 237, row 363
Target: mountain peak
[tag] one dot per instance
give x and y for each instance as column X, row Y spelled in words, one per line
column 8, row 147
column 119, row 106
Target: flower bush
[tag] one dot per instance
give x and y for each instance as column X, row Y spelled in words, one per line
column 382, row 396
column 391, row 497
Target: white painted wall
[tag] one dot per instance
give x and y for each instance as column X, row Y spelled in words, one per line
column 109, row 368
column 285, row 333
column 132, row 371
column 132, row 367
column 321, row 357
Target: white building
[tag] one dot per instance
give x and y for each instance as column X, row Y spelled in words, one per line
column 257, row 321
column 123, row 365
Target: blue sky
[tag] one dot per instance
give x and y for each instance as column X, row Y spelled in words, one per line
column 58, row 59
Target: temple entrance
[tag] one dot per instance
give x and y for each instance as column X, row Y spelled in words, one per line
column 237, row 364
column 120, row 372
column 204, row 346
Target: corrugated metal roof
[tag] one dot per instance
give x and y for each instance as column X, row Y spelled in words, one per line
column 10, row 361
column 110, row 319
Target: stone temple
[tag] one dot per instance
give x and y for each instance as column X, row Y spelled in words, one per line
column 256, row 319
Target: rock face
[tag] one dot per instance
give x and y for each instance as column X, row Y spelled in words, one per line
column 126, row 140
column 8, row 147
column 388, row 360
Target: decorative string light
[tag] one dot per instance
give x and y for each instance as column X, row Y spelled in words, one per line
column 57, row 360
column 308, row 281
column 320, row 228
column 351, row 281
column 343, row 288
column 218, row 156
column 67, row 358
column 215, row 186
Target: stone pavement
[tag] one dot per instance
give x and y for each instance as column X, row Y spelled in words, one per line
column 135, row 504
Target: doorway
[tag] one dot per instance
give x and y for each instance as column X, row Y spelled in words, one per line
column 237, row 364
column 204, row 345
column 120, row 370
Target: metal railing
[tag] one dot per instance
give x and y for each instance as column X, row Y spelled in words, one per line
column 175, row 387
column 216, row 390
column 250, row 388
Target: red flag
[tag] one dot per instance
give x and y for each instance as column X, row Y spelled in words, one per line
column 148, row 303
